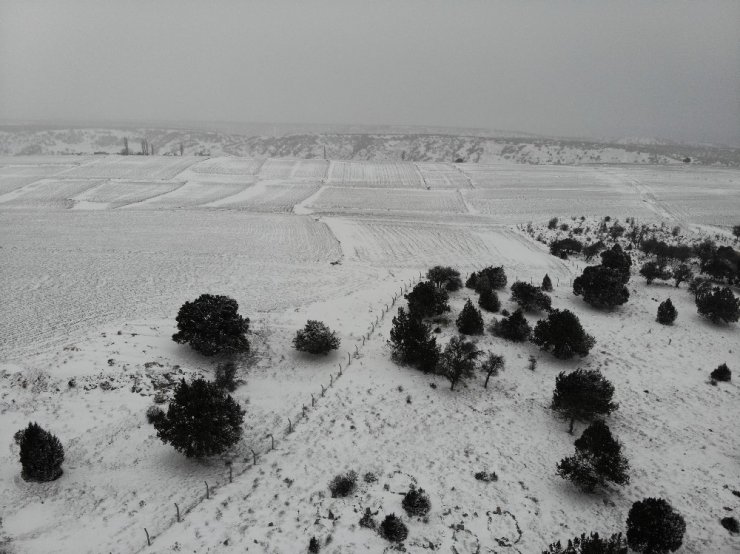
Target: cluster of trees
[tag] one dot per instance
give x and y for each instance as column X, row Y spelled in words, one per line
column 604, row 285
column 653, row 527
column 147, row 148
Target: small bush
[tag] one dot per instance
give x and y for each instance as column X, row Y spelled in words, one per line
column 470, row 320
column 393, row 529
column 563, row 335
column 225, row 374
column 315, row 338
column 564, row 247
column 367, row 520
column 343, row 484
column 529, row 297
column 653, row 527
column 553, row 223
column 485, row 476
column 416, row 502
column 731, row 524
column 445, row 277
column 546, row 283
column 41, row 454
column 667, row 313
column 721, row 373
column 154, row 413
column 718, row 305
column 682, row 274
column 491, row 366
column 514, row 328
column 313, row 545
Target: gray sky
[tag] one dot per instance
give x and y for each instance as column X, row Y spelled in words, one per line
column 576, row 68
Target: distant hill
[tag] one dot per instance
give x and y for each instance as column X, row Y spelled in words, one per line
column 413, row 146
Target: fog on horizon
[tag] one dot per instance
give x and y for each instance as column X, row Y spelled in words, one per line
column 569, row 68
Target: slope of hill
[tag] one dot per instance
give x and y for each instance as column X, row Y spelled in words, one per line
column 516, row 148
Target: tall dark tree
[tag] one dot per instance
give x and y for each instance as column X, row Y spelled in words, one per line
column 718, row 304
column 491, row 366
column 42, row 454
column 488, row 300
column 654, row 527
column 546, row 283
column 514, row 327
column 202, row 420
column 582, row 395
column 457, row 361
column 470, row 320
column 682, row 274
column 529, row 297
column 445, row 277
column 602, row 287
column 412, row 342
column 563, row 335
column 619, row 260
column 667, row 313
column 212, row 325
column 598, row 459
column 426, row 300
column 592, row 544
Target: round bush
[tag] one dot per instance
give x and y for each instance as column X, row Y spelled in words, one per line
column 393, row 529
column 721, row 373
column 343, row 484
column 211, row 325
column 653, row 527
column 315, row 338
column 41, row 454
column 667, row 313
column 416, row 502
column 154, row 413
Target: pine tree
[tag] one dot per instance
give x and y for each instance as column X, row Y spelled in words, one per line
column 718, row 304
column 42, row 454
column 598, row 459
column 201, row 420
column 491, row 366
column 666, row 312
column 426, row 300
column 529, row 297
column 412, row 342
column 547, row 283
column 488, row 300
column 602, row 287
column 617, row 259
column 654, row 527
column 514, row 327
column 582, row 394
column 212, row 325
column 563, row 334
column 457, row 361
column 721, row 373
column 470, row 320
column 315, row 338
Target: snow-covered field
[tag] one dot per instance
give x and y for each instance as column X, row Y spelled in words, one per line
column 97, row 255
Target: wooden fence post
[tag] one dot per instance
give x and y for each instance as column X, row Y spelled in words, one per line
column 148, row 541
column 254, row 456
column 290, row 426
column 208, row 491
column 272, row 441
column 178, row 512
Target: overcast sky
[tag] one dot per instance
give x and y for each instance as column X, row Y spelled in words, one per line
column 572, row 68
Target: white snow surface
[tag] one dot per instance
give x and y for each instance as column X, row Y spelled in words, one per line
column 98, row 254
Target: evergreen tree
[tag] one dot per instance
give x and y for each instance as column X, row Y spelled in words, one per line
column 718, row 304
column 592, row 544
column 582, row 394
column 682, row 274
column 491, row 366
column 617, row 259
column 42, row 454
column 721, row 373
column 563, row 334
column 426, row 300
column 445, row 277
column 654, row 527
column 393, row 529
column 546, row 283
column 514, row 327
column 488, row 300
column 653, row 270
column 457, row 361
column 315, row 338
column 598, row 459
column 496, row 277
column 666, row 312
column 470, row 320
column 564, row 247
column 529, row 297
column 212, row 325
column 201, row 420
column 601, row 286
column 412, row 342
column 416, row 502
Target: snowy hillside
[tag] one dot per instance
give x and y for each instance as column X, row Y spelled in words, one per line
column 361, row 146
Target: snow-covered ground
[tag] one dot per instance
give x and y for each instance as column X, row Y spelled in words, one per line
column 90, row 297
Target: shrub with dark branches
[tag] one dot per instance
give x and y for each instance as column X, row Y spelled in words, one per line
column 654, row 270
column 42, row 454
column 416, row 502
column 445, row 277
column 470, row 320
column 457, row 361
column 315, row 338
column 565, row 247
column 563, row 335
column 682, row 274
column 718, row 304
column 654, row 527
column 582, row 395
column 393, row 529
column 426, row 300
column 591, row 544
column 343, row 485
column 667, row 313
column 602, row 287
column 514, row 327
column 212, row 325
column 721, row 373
column 495, row 278
column 529, row 297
